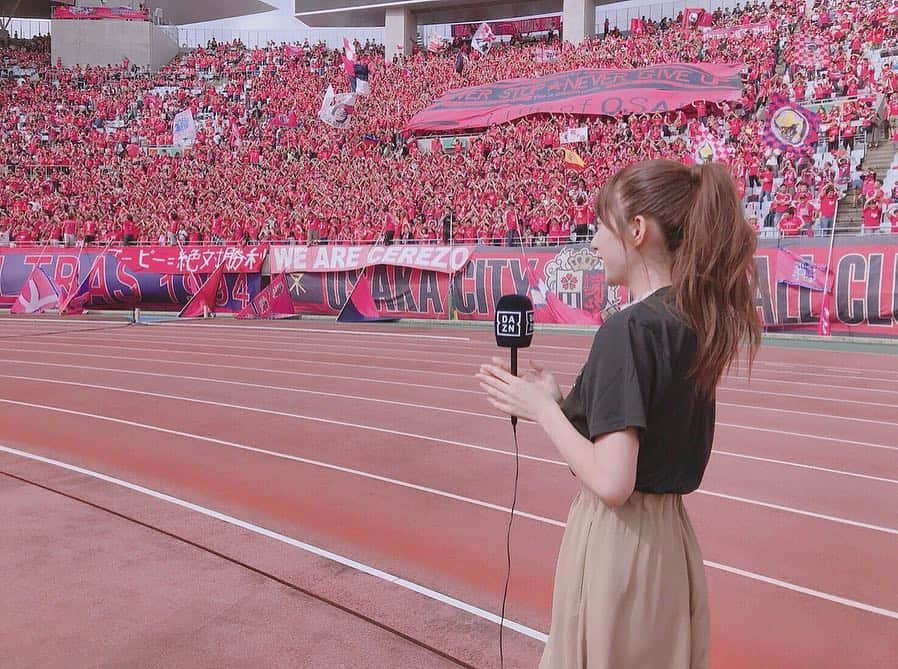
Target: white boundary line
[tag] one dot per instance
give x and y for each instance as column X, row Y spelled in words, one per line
column 722, row 388
column 290, row 541
column 800, row 368
column 427, row 592
column 335, row 331
column 319, row 419
column 434, row 491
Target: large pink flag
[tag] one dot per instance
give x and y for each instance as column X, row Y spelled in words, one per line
column 38, row 293
column 204, row 299
column 273, row 302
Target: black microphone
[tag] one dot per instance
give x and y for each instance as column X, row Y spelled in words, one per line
column 514, row 328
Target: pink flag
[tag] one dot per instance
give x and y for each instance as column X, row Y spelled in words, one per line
column 38, row 293
column 348, row 57
column 204, row 299
column 548, row 307
column 360, row 307
column 273, row 302
column 794, row 270
column 74, row 301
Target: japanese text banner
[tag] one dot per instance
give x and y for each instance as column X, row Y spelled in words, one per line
column 190, row 259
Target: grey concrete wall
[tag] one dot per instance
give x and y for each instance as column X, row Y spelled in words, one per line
column 109, row 42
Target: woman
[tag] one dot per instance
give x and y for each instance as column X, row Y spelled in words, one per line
column 636, row 428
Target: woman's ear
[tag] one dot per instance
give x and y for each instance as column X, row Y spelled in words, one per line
column 637, row 231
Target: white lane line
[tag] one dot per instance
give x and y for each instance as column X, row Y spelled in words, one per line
column 727, row 388
column 332, row 358
column 296, row 458
column 558, row 463
column 299, row 330
column 287, row 389
column 286, row 414
column 800, row 512
column 801, row 465
column 290, row 541
column 805, row 591
column 373, row 571
column 267, row 370
column 208, row 338
column 837, row 440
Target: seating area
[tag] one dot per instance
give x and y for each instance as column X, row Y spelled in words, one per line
column 86, row 155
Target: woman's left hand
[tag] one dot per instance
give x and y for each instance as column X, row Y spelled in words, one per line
column 524, row 398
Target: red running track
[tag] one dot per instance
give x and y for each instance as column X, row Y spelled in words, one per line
column 374, row 443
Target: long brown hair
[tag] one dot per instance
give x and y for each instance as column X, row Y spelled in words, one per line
column 712, row 250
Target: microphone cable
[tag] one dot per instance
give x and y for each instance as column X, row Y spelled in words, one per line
column 514, row 499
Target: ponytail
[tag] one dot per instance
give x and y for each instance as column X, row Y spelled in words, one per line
column 712, row 254
column 714, row 276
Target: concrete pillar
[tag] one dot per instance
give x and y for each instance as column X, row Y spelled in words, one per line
column 578, row 20
column 400, row 30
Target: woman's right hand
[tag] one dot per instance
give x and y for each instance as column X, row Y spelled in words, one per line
column 536, row 374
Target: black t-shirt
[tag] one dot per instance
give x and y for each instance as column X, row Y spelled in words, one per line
column 637, row 375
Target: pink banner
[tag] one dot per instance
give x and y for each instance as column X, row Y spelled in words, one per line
column 539, row 25
column 123, row 13
column 651, row 89
column 444, row 259
column 191, row 259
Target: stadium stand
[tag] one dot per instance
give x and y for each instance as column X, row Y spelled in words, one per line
column 87, row 154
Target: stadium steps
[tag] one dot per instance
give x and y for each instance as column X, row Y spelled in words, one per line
column 850, row 217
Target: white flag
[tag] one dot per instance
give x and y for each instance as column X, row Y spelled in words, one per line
column 336, row 110
column 483, row 39
column 183, row 129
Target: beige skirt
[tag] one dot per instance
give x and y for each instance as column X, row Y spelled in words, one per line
column 630, row 588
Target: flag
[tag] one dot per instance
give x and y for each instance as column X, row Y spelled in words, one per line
column 75, row 299
column 544, row 55
column 38, row 293
column 336, row 109
column 436, row 42
column 483, row 39
column 794, row 270
column 361, row 79
column 708, row 147
column 183, row 129
column 548, row 307
column 273, row 302
column 573, row 160
column 790, row 126
column 695, row 17
column 348, row 51
column 823, row 327
column 204, row 299
column 293, row 51
column 360, row 307
column 812, row 53
column 286, row 120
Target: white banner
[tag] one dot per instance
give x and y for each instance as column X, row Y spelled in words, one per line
column 574, row 135
column 183, row 129
column 445, row 259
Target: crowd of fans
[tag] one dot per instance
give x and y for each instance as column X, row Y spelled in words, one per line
column 85, row 152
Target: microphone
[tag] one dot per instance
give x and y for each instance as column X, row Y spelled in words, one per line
column 514, row 328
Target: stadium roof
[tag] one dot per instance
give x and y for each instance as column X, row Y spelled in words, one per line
column 177, row 12
column 359, row 13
